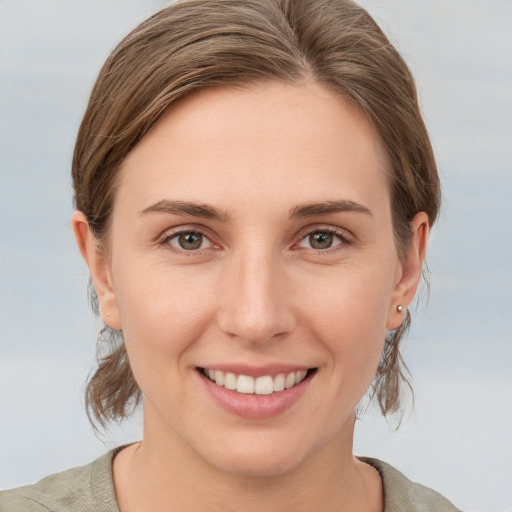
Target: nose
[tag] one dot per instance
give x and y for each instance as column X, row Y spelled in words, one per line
column 255, row 306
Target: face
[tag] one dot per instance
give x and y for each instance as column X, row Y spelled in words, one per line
column 251, row 244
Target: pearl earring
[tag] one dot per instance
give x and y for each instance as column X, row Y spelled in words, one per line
column 399, row 308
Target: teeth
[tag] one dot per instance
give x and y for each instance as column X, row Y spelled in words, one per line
column 279, row 382
column 300, row 376
column 289, row 382
column 219, row 377
column 245, row 384
column 265, row 385
column 229, row 381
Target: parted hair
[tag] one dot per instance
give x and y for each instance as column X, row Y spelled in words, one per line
column 197, row 44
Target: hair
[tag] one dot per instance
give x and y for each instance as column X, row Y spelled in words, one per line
column 196, row 44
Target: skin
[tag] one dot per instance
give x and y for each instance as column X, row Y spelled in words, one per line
column 257, row 292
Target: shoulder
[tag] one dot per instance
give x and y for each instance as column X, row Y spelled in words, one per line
column 403, row 495
column 83, row 489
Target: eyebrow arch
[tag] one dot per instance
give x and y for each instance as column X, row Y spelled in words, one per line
column 312, row 209
column 187, row 208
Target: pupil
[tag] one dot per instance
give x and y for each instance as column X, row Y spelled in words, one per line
column 321, row 240
column 190, row 241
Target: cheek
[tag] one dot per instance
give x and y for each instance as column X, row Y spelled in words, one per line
column 349, row 313
column 163, row 311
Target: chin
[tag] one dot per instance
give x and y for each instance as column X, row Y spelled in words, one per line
column 259, row 456
column 258, row 464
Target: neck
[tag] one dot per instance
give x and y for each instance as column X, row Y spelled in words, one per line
column 163, row 473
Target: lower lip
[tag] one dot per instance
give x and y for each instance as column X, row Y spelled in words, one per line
column 252, row 406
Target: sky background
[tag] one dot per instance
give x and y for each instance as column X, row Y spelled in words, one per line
column 457, row 438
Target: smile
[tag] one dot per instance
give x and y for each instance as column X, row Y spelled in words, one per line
column 264, row 385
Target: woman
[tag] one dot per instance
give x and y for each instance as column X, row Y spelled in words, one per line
column 254, row 188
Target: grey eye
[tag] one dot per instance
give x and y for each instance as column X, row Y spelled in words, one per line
column 321, row 240
column 188, row 241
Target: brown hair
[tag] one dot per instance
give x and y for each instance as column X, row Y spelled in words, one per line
column 196, row 44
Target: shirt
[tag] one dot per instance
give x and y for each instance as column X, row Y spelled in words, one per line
column 90, row 488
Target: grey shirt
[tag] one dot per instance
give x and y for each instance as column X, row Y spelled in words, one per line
column 90, row 489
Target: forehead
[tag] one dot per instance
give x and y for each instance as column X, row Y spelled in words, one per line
column 289, row 143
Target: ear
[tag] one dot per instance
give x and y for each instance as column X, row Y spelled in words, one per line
column 99, row 268
column 409, row 273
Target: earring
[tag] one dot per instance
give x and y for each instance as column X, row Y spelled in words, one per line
column 399, row 308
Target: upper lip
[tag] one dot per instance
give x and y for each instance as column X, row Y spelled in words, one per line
column 256, row 371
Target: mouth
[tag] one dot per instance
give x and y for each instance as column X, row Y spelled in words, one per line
column 262, row 385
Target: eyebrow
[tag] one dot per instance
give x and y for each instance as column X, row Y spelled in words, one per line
column 187, row 208
column 209, row 212
column 324, row 208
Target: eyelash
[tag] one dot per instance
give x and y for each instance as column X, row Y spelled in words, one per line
column 165, row 241
column 341, row 235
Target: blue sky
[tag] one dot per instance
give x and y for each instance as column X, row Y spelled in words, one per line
column 460, row 349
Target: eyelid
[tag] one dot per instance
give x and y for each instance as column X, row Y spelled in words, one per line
column 346, row 236
column 170, row 233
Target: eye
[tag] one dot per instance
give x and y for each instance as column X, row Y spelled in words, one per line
column 188, row 241
column 321, row 240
